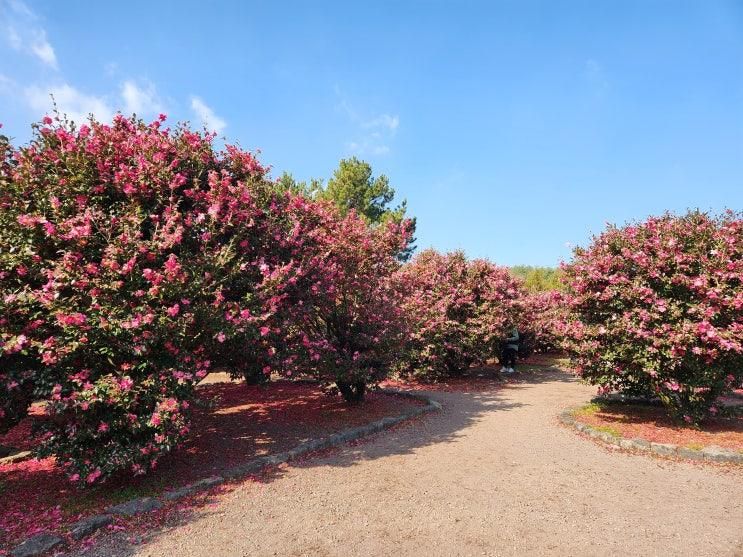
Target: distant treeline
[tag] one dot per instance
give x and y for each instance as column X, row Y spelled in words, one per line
column 538, row 279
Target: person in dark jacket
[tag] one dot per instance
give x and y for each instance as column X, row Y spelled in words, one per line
column 510, row 349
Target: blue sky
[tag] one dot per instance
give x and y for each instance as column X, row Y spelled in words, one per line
column 514, row 129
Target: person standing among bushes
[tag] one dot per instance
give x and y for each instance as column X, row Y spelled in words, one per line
column 510, row 349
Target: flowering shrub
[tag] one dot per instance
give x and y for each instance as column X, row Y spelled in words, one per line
column 457, row 310
column 341, row 318
column 657, row 309
column 542, row 322
column 134, row 259
column 130, row 257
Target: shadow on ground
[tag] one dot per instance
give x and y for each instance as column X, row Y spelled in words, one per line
column 485, row 392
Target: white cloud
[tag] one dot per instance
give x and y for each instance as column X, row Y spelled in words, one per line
column 19, row 25
column 383, row 121
column 366, row 146
column 43, row 50
column 142, row 101
column 372, row 134
column 207, row 116
column 380, row 150
column 70, row 102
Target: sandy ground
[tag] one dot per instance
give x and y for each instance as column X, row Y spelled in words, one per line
column 492, row 474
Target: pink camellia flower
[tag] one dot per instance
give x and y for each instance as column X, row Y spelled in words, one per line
column 174, row 310
column 71, row 319
column 221, row 336
column 102, row 427
column 93, row 476
column 47, row 120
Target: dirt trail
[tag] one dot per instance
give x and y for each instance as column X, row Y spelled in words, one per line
column 492, row 474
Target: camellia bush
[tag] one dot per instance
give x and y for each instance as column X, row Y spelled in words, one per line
column 542, row 322
column 458, row 312
column 132, row 258
column 342, row 321
column 657, row 310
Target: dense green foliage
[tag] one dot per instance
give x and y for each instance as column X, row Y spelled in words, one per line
column 538, row 279
column 353, row 187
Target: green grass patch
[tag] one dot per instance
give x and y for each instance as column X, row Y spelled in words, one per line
column 588, row 410
column 607, row 429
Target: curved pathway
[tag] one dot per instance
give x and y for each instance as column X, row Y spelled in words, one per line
column 492, row 474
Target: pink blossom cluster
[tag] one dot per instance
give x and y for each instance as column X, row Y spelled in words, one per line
column 542, row 321
column 657, row 309
column 458, row 312
column 135, row 258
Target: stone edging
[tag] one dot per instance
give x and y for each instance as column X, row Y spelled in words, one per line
column 712, row 453
column 45, row 541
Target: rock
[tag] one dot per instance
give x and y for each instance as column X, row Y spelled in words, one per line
column 718, row 454
column 641, row 444
column 16, row 457
column 692, row 454
column 567, row 418
column 390, row 421
column 252, row 467
column 608, row 438
column 37, row 545
column 205, row 483
column 135, row 506
column 87, row 526
column 627, row 444
column 664, row 449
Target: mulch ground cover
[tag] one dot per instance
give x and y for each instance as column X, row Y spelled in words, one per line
column 240, row 423
column 650, row 422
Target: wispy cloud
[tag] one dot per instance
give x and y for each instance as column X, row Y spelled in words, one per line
column 70, row 101
column 207, row 116
column 367, row 148
column 22, row 31
column 383, row 121
column 373, row 133
column 78, row 105
column 140, row 100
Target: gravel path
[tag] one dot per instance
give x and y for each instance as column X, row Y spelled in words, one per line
column 492, row 474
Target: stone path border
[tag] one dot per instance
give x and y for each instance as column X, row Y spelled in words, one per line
column 45, row 541
column 712, row 453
